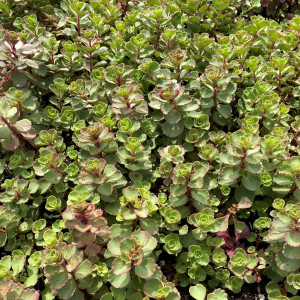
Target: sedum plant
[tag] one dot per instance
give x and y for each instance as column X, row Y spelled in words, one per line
column 149, row 149
column 131, row 253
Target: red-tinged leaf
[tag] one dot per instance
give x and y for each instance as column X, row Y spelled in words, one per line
column 92, row 250
column 11, row 144
column 243, row 235
column 120, row 266
column 84, row 269
column 293, row 238
column 120, row 281
column 146, row 269
column 23, row 125
column 30, row 294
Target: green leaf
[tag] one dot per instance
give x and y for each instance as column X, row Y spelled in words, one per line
column 128, row 213
column 150, row 246
column 251, row 182
column 121, row 266
column 291, row 252
column 149, row 225
column 119, row 281
column 3, row 238
column 200, row 195
column 67, row 290
column 11, row 143
column 4, row 132
column 178, row 190
column 293, row 238
column 173, row 117
column 217, row 295
column 198, row 292
column 23, row 125
column 107, row 296
column 286, row 265
column 105, row 189
column 58, row 280
column 151, row 286
column 17, row 264
column 146, row 269
column 84, row 269
column 173, row 130
column 130, row 193
column 120, row 230
column 19, row 79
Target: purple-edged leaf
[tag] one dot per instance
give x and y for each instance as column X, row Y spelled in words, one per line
column 291, row 252
column 67, row 291
column 114, row 245
column 127, row 245
column 99, row 180
column 120, row 266
column 11, row 143
column 245, row 203
column 141, row 236
column 85, row 179
column 29, row 135
column 30, row 294
column 150, row 246
column 28, row 49
column 23, row 125
column 78, row 295
column 92, row 250
column 282, row 224
column 243, row 235
column 98, row 224
column 103, row 231
column 49, row 270
column 143, row 211
column 286, row 265
column 68, row 214
column 5, row 286
column 178, row 190
column 146, row 269
column 120, row 281
column 87, row 237
column 15, row 291
column 84, row 269
column 293, row 238
column 78, row 225
column 274, row 235
column 138, row 257
column 58, row 280
column 73, row 262
column 128, row 213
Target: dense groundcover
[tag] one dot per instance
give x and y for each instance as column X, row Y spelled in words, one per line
column 150, row 149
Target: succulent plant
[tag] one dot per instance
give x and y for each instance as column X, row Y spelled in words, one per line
column 149, row 149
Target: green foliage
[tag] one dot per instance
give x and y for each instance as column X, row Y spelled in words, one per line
column 149, row 149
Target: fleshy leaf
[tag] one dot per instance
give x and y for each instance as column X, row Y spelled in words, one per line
column 198, row 292
column 146, row 269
